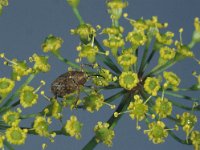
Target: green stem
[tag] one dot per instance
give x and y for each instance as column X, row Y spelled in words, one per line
column 135, row 66
column 57, row 54
column 77, row 14
column 107, row 61
column 115, row 96
column 181, row 96
column 149, row 58
column 4, row 109
column 143, row 62
column 112, row 121
column 161, row 68
column 16, row 94
column 186, row 142
column 183, row 106
column 8, row 145
column 191, row 44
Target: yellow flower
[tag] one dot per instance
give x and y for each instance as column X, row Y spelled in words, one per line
column 157, row 132
column 167, row 53
column 41, row 126
column 103, row 79
column 4, row 2
column 113, row 30
column 54, row 109
column 114, row 43
column 165, row 39
column 184, row 50
column 195, row 138
column 126, row 59
column 104, row 134
column 152, row 85
column 86, row 33
column 137, row 109
column 70, row 100
column 6, row 85
column 154, row 23
column 163, row 107
column 20, row 69
column 52, row 44
column 136, row 38
column 73, row 127
column 88, row 51
column 196, row 33
column 172, row 80
column 28, row 97
column 187, row 120
column 139, row 24
column 73, row 3
column 115, row 8
column 16, row 135
column 93, row 101
column 128, row 80
column 1, row 141
column 11, row 118
column 41, row 63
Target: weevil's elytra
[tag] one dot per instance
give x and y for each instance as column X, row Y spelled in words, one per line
column 68, row 83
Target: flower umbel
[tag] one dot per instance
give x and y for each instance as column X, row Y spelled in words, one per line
column 93, row 102
column 128, row 80
column 157, row 132
column 163, row 107
column 73, row 127
column 16, row 135
column 52, row 44
column 152, row 85
column 41, row 126
column 103, row 133
column 28, row 97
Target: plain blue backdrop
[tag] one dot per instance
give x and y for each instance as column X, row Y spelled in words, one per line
column 24, row 25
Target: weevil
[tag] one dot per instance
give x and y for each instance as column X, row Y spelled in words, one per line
column 68, row 82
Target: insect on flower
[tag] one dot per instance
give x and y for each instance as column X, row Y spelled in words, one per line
column 68, row 82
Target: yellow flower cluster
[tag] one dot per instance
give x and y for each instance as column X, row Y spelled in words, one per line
column 89, row 51
column 167, row 53
column 73, row 3
column 28, row 97
column 128, row 80
column 52, row 44
column 126, row 60
column 11, row 118
column 163, row 107
column 152, row 85
column 196, row 34
column 41, row 63
column 115, row 8
column 172, row 80
column 6, row 85
column 136, row 38
column 16, row 135
column 73, row 127
column 86, row 33
column 103, row 79
column 187, row 120
column 195, row 138
column 94, row 101
column 165, row 39
column 103, row 133
column 41, row 126
column 157, row 132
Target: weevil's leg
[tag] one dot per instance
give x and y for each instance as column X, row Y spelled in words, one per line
column 77, row 98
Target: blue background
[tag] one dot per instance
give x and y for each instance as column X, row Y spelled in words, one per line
column 24, row 25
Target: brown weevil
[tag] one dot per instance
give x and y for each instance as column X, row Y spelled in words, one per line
column 68, row 82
